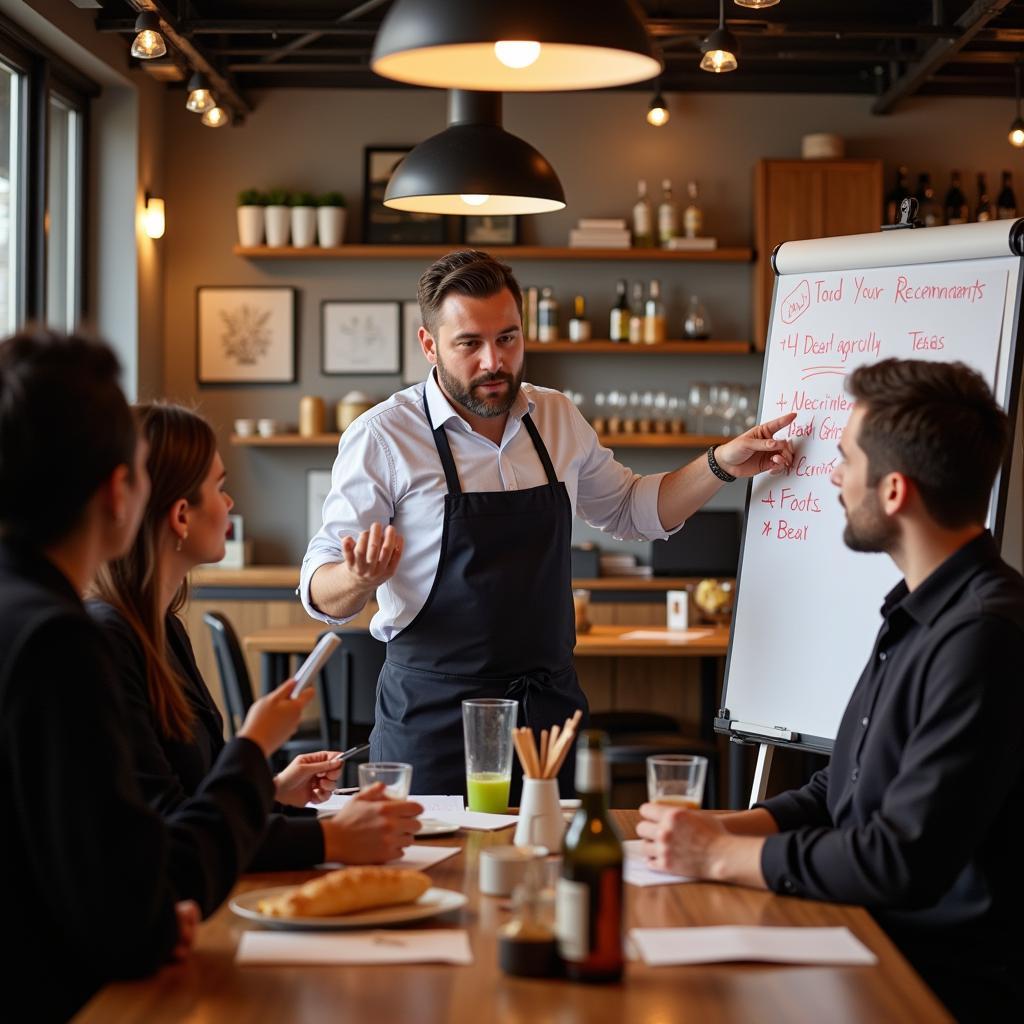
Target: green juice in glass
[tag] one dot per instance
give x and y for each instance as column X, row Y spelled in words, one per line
column 488, row 791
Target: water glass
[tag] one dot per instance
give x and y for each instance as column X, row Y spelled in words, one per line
column 396, row 776
column 487, row 726
column 676, row 779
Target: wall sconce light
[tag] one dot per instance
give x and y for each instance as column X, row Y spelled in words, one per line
column 657, row 112
column 153, row 221
column 200, row 99
column 148, row 42
column 1016, row 136
column 720, row 48
column 215, row 117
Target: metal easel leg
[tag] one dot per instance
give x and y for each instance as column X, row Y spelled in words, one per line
column 761, row 770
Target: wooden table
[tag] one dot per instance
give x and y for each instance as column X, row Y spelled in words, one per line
column 211, row 988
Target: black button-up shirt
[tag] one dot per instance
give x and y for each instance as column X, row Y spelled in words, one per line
column 915, row 816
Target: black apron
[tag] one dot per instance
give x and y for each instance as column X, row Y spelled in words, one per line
column 498, row 622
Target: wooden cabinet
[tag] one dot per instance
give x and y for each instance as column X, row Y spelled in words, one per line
column 796, row 199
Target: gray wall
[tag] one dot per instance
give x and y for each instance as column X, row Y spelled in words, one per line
column 598, row 142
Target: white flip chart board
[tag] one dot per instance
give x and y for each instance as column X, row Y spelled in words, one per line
column 807, row 608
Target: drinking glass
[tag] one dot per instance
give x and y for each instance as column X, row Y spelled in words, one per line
column 676, row 779
column 396, row 776
column 487, row 727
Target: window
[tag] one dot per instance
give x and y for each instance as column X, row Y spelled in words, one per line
column 43, row 105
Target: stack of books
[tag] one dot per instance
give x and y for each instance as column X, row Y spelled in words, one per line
column 692, row 244
column 624, row 565
column 600, row 233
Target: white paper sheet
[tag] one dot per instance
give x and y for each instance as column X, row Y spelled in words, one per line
column 417, row 856
column 636, row 872
column 672, row 636
column 478, row 820
column 662, row 947
column 433, row 806
column 438, row 945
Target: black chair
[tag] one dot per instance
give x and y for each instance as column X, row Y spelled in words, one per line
column 348, row 693
column 636, row 735
column 237, row 690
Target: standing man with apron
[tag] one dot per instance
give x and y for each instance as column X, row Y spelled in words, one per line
column 453, row 501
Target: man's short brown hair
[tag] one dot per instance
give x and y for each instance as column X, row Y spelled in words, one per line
column 467, row 272
column 938, row 424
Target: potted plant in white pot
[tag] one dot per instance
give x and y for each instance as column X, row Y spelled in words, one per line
column 278, row 217
column 330, row 220
column 251, row 204
column 303, row 206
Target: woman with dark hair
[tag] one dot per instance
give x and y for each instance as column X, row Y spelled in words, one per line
column 97, row 883
column 176, row 730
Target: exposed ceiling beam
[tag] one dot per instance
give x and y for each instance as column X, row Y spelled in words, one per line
column 223, row 88
column 969, row 24
column 312, row 37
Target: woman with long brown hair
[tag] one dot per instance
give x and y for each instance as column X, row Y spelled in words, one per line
column 177, row 730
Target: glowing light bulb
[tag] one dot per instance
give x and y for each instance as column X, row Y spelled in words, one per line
column 216, row 117
column 474, row 200
column 718, row 61
column 657, row 116
column 1016, row 137
column 517, row 53
column 153, row 221
column 148, row 44
column 200, row 101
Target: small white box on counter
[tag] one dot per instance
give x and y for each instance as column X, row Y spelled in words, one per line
column 677, row 609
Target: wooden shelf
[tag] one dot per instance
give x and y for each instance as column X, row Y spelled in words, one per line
column 609, row 440
column 734, row 254
column 621, row 348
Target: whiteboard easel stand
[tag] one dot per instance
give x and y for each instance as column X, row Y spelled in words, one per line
column 761, row 770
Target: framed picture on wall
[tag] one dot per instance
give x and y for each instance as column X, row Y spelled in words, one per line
column 481, row 231
column 414, row 362
column 245, row 335
column 383, row 226
column 318, row 486
column 360, row 337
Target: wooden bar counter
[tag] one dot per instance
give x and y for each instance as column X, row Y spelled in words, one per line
column 210, row 987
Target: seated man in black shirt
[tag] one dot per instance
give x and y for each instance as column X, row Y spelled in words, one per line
column 914, row 817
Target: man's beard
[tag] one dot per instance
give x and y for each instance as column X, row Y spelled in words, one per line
column 459, row 392
column 868, row 529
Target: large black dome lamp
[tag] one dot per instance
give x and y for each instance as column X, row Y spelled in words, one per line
column 474, row 167
column 520, row 46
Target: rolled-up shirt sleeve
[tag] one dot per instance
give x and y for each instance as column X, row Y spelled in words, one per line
column 361, row 494
column 610, row 496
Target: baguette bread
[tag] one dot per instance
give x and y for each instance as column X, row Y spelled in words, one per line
column 347, row 891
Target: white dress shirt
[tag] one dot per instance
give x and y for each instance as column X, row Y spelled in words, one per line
column 388, row 471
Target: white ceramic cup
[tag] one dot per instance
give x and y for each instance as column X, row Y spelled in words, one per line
column 266, row 428
column 245, row 428
column 502, row 868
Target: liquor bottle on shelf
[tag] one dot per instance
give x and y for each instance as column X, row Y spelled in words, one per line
column 579, row 325
column 636, row 314
column 547, row 316
column 654, row 315
column 589, row 900
column 618, row 321
column 643, row 234
column 984, row 211
column 696, row 324
column 693, row 215
column 668, row 215
column 1006, row 202
column 927, row 208
column 956, row 202
column 893, row 201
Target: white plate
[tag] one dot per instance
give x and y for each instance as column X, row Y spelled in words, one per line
column 435, row 827
column 430, row 904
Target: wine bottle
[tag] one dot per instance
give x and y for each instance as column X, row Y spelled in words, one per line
column 668, row 215
column 636, row 314
column 1006, row 203
column 894, row 199
column 654, row 315
column 643, row 237
column 693, row 215
column 579, row 325
column 618, row 321
column 984, row 211
column 927, row 208
column 956, row 201
column 589, row 901
column 547, row 316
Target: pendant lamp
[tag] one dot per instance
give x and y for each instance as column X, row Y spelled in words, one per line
column 200, row 99
column 657, row 112
column 148, row 42
column 515, row 45
column 474, row 167
column 720, row 48
column 756, row 5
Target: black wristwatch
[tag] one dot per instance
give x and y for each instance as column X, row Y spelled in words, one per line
column 717, row 469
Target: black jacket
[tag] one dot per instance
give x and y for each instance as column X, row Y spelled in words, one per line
column 915, row 814
column 91, row 873
column 170, row 771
